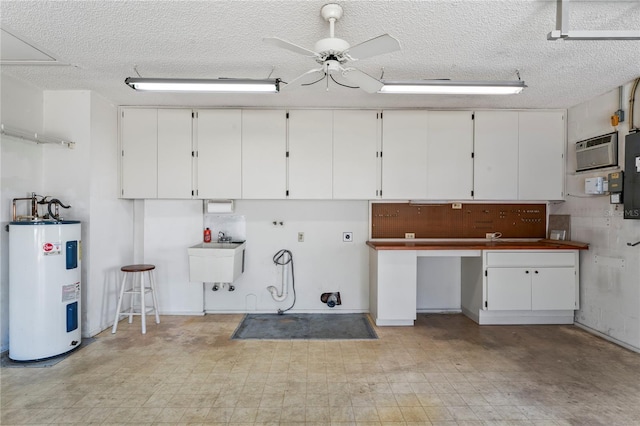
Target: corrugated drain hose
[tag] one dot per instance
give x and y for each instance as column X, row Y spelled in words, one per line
column 279, row 259
column 53, row 202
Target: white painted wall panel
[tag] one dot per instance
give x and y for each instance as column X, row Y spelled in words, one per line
column 92, row 191
column 323, row 262
column 609, row 296
column 170, row 227
column 439, row 284
column 20, row 172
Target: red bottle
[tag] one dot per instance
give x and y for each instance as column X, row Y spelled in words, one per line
column 207, row 235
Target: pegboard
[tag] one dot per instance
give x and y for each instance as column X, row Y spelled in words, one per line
column 393, row 220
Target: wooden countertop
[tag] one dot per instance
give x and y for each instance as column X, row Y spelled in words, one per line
column 478, row 245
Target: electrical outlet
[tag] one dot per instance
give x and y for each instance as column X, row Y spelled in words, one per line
column 347, row 237
column 409, row 235
column 489, row 235
column 456, row 206
column 301, row 237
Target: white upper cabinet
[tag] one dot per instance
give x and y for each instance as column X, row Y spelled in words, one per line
column 139, row 144
column 218, row 141
column 449, row 155
column 495, row 167
column 404, row 154
column 541, row 155
column 175, row 161
column 310, row 154
column 264, row 146
column 355, row 154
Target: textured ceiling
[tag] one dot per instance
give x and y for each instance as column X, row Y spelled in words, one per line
column 455, row 39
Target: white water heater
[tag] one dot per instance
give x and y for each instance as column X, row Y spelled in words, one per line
column 44, row 288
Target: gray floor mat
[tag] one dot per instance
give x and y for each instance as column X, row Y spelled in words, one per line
column 305, row 326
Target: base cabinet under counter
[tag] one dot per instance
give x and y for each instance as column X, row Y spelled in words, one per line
column 499, row 286
column 523, row 287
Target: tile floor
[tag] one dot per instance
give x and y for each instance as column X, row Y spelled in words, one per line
column 444, row 371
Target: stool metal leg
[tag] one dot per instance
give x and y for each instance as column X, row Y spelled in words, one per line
column 119, row 305
column 132, row 292
column 153, row 295
column 143, row 309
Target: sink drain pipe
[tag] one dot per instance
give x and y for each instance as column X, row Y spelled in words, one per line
column 284, row 258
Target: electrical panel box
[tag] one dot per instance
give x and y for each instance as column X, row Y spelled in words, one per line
column 632, row 176
column 594, row 186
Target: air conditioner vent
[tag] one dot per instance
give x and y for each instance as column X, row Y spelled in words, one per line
column 598, row 152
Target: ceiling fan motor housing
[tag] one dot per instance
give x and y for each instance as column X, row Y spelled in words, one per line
column 331, row 46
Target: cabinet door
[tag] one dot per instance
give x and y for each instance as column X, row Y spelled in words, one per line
column 495, row 164
column 264, row 146
column 139, row 141
column 541, row 155
column 310, row 154
column 175, row 162
column 553, row 288
column 355, row 159
column 449, row 150
column 508, row 289
column 219, row 160
column 404, row 154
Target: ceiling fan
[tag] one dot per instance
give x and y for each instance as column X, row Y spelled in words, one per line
column 334, row 53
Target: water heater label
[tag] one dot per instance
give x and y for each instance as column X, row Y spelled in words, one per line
column 50, row 249
column 70, row 292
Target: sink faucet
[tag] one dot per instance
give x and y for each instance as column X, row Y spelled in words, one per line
column 222, row 238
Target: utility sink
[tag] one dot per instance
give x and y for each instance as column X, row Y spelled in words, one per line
column 216, row 262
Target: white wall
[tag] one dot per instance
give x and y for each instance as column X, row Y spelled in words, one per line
column 438, row 281
column 20, row 172
column 87, row 178
column 170, row 226
column 323, row 263
column 609, row 292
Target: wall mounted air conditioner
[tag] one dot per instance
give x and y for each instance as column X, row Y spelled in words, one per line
column 598, row 152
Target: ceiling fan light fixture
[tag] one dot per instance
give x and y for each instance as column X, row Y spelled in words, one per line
column 221, row 85
column 449, row 87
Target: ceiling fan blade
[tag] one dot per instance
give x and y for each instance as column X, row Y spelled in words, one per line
column 278, row 42
column 299, row 80
column 363, row 80
column 372, row 47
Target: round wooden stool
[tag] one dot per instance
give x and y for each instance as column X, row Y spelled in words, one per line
column 137, row 287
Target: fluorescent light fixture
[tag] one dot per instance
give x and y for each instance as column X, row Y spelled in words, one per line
column 221, row 85
column 34, row 136
column 449, row 87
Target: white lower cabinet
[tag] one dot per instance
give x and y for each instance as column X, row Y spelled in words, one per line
column 554, row 288
column 508, row 289
column 393, row 286
column 531, row 280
